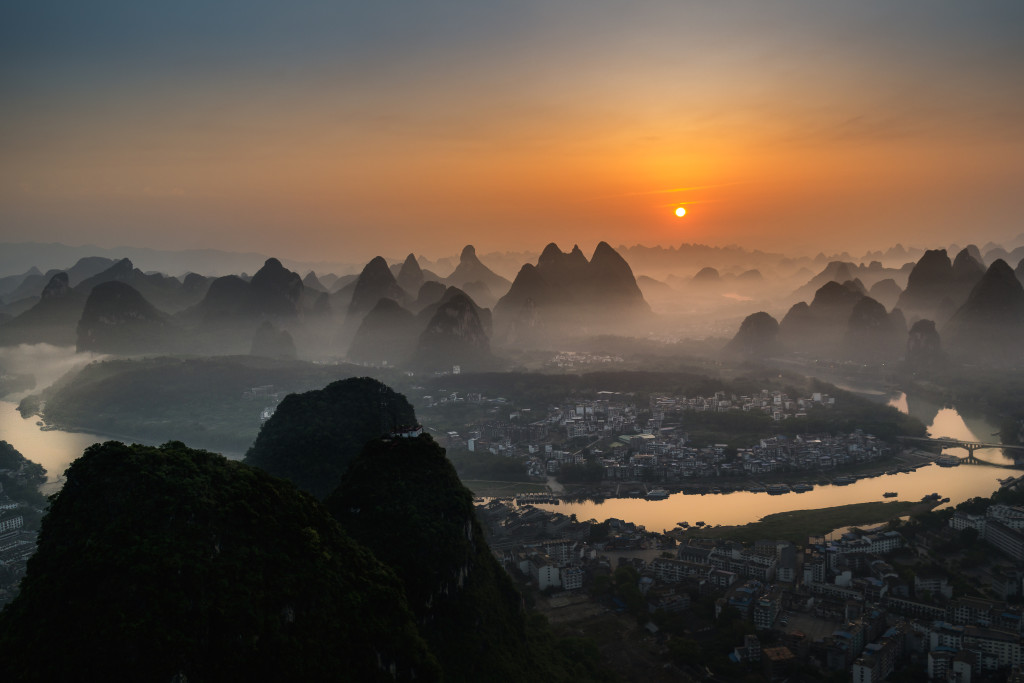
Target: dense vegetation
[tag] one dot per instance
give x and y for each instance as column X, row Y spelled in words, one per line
column 539, row 391
column 197, row 400
column 976, row 390
column 312, row 437
column 797, row 525
column 172, row 564
column 22, row 478
column 403, row 500
column 486, row 465
column 168, row 563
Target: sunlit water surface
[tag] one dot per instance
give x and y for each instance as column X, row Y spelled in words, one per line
column 956, row 483
column 52, row 449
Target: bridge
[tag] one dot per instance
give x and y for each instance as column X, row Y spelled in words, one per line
column 969, row 446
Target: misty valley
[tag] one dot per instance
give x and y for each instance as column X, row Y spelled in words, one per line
column 684, row 463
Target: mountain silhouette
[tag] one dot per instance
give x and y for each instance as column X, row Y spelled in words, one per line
column 387, row 335
column 454, row 335
column 564, row 294
column 472, row 270
column 117, row 319
column 989, row 326
column 757, row 337
column 311, row 437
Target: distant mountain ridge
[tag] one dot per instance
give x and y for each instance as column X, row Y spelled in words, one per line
column 566, row 293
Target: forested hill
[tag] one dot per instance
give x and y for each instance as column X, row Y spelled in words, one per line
column 312, row 436
column 160, row 564
column 20, row 478
column 172, row 564
column 402, row 499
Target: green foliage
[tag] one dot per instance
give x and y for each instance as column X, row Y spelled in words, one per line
column 599, row 532
column 155, row 563
column 626, row 588
column 25, row 478
column 797, row 525
column 312, row 437
column 197, row 400
column 589, row 473
column 487, row 466
column 968, row 537
column 402, row 499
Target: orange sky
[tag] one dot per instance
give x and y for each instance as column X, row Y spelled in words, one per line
column 339, row 133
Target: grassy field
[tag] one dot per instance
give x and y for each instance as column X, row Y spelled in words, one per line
column 502, row 489
column 797, row 525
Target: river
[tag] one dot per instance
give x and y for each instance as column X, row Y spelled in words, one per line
column 55, row 450
column 52, row 449
column 741, row 507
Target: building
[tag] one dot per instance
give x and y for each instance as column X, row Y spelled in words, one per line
column 766, row 609
column 572, row 578
column 544, row 572
column 999, row 648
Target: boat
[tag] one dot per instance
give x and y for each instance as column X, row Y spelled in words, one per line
column 802, row 488
column 657, row 494
column 890, row 494
column 777, row 489
column 757, row 488
column 843, row 481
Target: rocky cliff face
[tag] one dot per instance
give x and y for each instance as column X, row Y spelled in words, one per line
column 387, row 335
column 117, row 319
column 758, row 337
column 276, row 291
column 924, row 348
column 402, row 498
column 872, row 335
column 930, row 288
column 820, row 326
column 375, row 282
column 312, row 437
column 455, row 335
column 271, row 342
column 51, row 320
column 989, row 326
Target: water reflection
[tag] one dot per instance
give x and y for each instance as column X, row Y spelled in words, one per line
column 53, row 449
column 742, row 507
column 957, row 483
column 945, row 421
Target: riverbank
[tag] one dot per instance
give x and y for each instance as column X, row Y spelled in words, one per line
column 798, row 525
column 109, row 435
column 907, row 461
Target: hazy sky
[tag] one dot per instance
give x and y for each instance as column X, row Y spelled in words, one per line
column 338, row 130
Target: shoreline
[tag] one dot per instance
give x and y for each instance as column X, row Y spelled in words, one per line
column 124, row 438
column 908, row 460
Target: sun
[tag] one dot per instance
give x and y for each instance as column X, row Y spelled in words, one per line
column 680, row 212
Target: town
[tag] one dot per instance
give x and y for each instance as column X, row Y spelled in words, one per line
column 608, row 439
column 938, row 596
